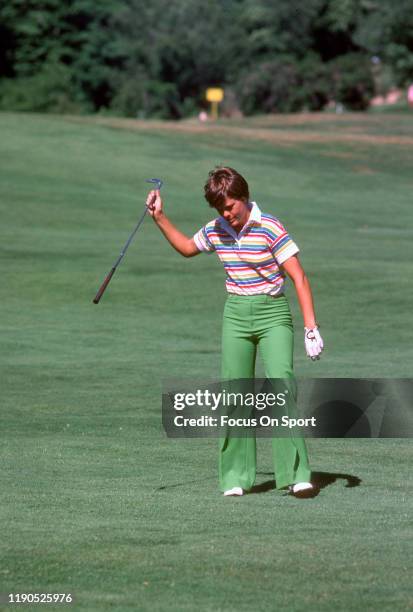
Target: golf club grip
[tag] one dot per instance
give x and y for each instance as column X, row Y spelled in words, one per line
column 103, row 286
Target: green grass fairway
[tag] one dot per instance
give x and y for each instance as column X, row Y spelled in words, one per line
column 95, row 499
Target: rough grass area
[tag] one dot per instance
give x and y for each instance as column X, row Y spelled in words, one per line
column 285, row 129
column 96, row 500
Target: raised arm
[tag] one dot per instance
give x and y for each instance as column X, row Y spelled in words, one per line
column 181, row 243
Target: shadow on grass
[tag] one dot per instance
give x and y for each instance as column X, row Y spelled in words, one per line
column 183, row 484
column 320, row 480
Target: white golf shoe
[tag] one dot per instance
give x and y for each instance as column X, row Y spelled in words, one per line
column 302, row 489
column 235, row 491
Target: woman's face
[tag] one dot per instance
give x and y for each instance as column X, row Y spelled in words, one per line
column 235, row 212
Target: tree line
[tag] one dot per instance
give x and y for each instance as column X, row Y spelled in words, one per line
column 155, row 59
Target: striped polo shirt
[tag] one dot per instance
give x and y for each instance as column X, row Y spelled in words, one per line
column 253, row 257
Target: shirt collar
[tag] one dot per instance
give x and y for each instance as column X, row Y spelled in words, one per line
column 255, row 215
column 253, row 219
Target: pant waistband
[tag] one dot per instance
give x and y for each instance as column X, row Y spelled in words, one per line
column 257, row 297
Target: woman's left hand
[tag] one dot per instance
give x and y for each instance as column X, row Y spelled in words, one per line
column 313, row 342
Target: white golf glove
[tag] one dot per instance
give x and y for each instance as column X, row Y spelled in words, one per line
column 313, row 342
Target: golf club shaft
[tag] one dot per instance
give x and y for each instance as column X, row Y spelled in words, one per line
column 129, row 240
column 119, row 259
column 106, row 282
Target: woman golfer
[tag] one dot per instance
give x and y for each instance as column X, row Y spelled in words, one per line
column 257, row 252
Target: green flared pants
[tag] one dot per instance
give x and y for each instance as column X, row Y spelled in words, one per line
column 263, row 322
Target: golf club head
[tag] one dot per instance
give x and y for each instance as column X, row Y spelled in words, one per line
column 156, row 181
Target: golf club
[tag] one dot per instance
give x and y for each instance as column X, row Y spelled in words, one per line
column 158, row 182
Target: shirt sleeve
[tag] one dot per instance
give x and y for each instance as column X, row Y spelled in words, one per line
column 282, row 246
column 202, row 241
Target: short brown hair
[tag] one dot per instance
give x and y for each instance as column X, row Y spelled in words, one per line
column 225, row 182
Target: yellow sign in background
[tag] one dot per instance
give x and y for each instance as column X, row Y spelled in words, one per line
column 214, row 95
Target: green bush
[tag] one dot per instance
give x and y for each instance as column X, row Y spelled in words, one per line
column 314, row 83
column 139, row 96
column 352, row 80
column 269, row 87
column 50, row 90
column 284, row 85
